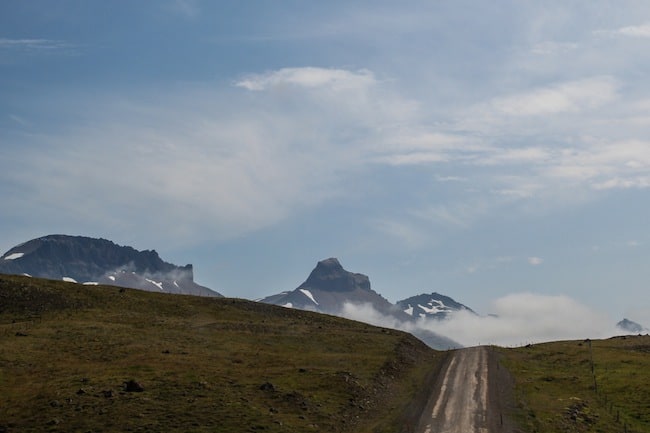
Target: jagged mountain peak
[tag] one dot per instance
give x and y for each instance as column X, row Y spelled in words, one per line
column 329, row 275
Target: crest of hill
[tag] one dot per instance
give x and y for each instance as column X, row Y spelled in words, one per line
column 99, row 261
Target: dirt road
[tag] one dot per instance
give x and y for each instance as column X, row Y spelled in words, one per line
column 462, row 401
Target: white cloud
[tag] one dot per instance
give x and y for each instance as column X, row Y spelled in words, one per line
column 523, row 318
column 639, row 31
column 455, row 214
column 186, row 8
column 42, row 45
column 535, row 261
column 407, row 234
column 523, row 155
column 620, row 183
column 571, row 96
column 517, row 319
column 205, row 162
column 548, row 48
column 309, row 77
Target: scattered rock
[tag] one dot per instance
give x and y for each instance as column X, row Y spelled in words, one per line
column 267, row 386
column 133, row 386
column 81, row 391
column 108, row 393
column 20, row 334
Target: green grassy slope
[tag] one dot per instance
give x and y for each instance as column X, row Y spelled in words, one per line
column 557, row 391
column 221, row 365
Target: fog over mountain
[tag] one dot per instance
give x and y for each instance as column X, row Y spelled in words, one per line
column 516, row 320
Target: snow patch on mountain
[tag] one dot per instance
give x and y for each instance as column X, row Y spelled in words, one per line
column 69, row 280
column 434, row 307
column 14, row 256
column 308, row 294
column 159, row 285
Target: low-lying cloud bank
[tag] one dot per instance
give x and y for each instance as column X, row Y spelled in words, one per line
column 517, row 319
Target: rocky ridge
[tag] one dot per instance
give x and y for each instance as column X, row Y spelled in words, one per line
column 99, row 261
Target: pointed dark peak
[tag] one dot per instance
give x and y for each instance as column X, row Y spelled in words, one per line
column 330, row 276
column 331, row 264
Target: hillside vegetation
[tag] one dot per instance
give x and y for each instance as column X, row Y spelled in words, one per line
column 582, row 386
column 107, row 359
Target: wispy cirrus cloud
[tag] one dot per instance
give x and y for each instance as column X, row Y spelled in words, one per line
column 572, row 96
column 636, row 31
column 186, row 8
column 34, row 44
column 273, row 139
column 309, row 77
column 14, row 49
column 548, row 48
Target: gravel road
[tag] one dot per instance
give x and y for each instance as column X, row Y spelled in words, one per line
column 461, row 401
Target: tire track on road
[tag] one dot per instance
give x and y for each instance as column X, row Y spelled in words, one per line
column 461, row 399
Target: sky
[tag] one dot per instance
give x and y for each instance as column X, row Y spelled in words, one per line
column 489, row 151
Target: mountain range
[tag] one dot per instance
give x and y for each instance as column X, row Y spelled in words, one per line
column 99, row 261
column 331, row 289
column 328, row 289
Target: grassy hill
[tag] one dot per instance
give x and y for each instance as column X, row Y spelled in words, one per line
column 582, row 386
column 68, row 353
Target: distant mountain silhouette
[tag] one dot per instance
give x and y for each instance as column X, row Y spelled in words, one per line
column 99, row 261
column 630, row 326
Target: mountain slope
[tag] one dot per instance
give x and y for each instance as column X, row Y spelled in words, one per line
column 99, row 261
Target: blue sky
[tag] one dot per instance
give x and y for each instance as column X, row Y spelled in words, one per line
column 477, row 149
